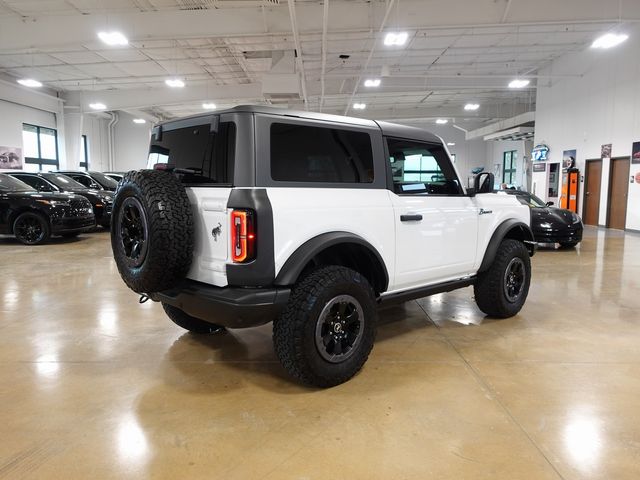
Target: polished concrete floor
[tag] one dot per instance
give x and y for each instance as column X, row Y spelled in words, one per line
column 94, row 385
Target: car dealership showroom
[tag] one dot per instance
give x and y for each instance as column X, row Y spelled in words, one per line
column 320, row 239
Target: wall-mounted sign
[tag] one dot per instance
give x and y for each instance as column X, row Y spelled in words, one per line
column 11, row 157
column 568, row 158
column 540, row 153
column 539, row 167
column 635, row 153
column 605, row 151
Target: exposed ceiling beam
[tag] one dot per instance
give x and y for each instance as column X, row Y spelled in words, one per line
column 299, row 62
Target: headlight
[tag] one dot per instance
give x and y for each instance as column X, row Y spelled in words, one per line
column 55, row 203
column 575, row 218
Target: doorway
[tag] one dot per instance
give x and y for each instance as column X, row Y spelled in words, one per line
column 618, row 193
column 593, row 177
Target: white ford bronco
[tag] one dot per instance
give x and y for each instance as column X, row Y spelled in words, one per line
column 258, row 214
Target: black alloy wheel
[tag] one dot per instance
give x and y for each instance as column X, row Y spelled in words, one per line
column 132, row 223
column 30, row 229
column 514, row 279
column 339, row 328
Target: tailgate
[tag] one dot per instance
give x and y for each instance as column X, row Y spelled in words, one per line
column 211, row 224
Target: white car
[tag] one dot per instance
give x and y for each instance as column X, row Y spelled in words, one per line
column 258, row 214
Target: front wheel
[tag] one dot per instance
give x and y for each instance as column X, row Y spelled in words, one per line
column 502, row 290
column 31, row 228
column 326, row 332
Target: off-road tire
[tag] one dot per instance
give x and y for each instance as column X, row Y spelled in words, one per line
column 294, row 331
column 194, row 325
column 31, row 217
column 489, row 289
column 166, row 213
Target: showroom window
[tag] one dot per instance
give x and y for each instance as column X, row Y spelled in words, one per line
column 421, row 168
column 509, row 166
column 84, row 164
column 40, row 148
column 301, row 153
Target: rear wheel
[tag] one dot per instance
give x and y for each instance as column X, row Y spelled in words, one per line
column 326, row 332
column 194, row 325
column 31, row 228
column 502, row 290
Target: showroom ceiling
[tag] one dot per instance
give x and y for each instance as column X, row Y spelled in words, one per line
column 228, row 51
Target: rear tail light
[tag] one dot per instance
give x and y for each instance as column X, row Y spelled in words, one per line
column 243, row 236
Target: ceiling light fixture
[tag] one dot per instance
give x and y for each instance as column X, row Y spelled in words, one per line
column 519, row 83
column 609, row 40
column 97, row 106
column 372, row 82
column 113, row 39
column 139, row 121
column 471, row 106
column 396, row 39
column 359, row 106
column 442, row 121
column 209, row 106
column 451, row 144
column 30, row 82
column 174, row 82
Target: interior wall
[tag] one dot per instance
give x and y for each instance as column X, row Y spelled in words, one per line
column 12, row 116
column 598, row 104
column 131, row 143
column 494, row 152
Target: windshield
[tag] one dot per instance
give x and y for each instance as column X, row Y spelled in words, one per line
column 103, row 180
column 10, row 184
column 63, row 182
column 531, row 200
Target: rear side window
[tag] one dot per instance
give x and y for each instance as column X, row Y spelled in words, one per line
column 202, row 156
column 301, row 153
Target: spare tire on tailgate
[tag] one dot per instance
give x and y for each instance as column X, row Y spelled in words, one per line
column 151, row 231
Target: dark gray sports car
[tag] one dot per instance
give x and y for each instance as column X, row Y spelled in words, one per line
column 550, row 224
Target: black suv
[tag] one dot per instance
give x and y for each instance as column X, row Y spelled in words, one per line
column 94, row 180
column 101, row 200
column 34, row 216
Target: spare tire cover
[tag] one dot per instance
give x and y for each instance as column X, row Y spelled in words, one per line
column 152, row 232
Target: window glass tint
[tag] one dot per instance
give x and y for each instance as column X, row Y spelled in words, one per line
column 421, row 168
column 11, row 184
column 301, row 153
column 64, row 182
column 203, row 157
column 102, row 179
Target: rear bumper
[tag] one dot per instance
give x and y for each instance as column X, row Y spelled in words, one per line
column 230, row 307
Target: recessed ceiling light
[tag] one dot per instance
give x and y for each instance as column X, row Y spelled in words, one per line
column 471, row 106
column 372, row 82
column 113, row 38
column 396, row 38
column 451, row 144
column 174, row 82
column 98, row 106
column 518, row 83
column 442, row 121
column 29, row 82
column 209, row 106
column 609, row 40
column 139, row 120
column 359, row 106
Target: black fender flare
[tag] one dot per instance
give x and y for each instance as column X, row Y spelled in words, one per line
column 500, row 233
column 296, row 263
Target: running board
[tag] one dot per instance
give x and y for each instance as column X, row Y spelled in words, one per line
column 425, row 291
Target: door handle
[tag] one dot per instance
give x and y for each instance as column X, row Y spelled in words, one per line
column 411, row 218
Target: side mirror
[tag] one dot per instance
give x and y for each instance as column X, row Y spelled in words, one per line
column 549, row 204
column 483, row 182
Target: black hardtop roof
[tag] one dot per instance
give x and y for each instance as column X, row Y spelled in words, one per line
column 387, row 128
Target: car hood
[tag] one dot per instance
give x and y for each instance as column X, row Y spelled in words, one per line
column 554, row 216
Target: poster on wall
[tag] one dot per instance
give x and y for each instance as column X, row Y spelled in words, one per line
column 568, row 158
column 605, row 151
column 11, row 158
column 635, row 153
